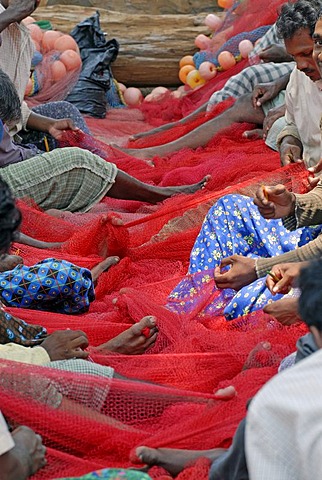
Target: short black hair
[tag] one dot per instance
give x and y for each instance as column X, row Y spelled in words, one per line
column 310, row 301
column 10, row 105
column 299, row 15
column 10, row 217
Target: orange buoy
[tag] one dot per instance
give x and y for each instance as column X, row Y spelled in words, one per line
column 184, row 72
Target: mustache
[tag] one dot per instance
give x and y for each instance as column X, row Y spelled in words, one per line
column 307, row 71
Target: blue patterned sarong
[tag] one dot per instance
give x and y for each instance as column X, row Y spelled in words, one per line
column 51, row 285
column 234, row 226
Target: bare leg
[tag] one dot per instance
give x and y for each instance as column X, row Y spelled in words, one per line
column 103, row 267
column 129, row 188
column 33, row 242
column 9, row 262
column 168, row 126
column 135, row 340
column 174, row 460
column 241, row 111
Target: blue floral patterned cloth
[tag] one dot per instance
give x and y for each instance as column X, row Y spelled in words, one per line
column 233, row 226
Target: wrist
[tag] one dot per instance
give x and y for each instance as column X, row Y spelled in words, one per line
column 292, row 204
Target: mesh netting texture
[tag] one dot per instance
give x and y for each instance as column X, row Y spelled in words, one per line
column 89, row 422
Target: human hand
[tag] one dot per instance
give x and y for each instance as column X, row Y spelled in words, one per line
column 271, row 117
column 20, row 9
column 274, row 53
column 29, row 449
column 284, row 310
column 274, row 202
column 313, row 180
column 263, row 92
column 241, row 272
column 290, row 150
column 57, row 127
column 285, row 275
column 65, row 344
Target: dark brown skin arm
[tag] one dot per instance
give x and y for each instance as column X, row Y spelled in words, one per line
column 26, row 458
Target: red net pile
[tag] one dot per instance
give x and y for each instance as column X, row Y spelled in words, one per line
column 100, row 421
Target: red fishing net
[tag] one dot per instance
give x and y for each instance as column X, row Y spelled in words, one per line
column 100, row 421
column 88, row 422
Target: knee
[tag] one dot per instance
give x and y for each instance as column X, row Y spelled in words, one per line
column 242, row 107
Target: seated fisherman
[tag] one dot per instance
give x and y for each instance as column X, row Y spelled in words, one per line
column 68, row 178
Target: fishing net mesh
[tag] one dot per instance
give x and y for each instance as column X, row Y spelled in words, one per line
column 89, row 422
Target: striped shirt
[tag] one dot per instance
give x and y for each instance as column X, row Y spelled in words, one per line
column 16, row 52
column 284, row 428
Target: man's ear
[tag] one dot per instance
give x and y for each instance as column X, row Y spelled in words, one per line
column 317, row 336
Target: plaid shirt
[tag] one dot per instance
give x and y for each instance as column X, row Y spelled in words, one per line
column 245, row 81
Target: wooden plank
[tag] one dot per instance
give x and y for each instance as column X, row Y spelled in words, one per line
column 150, row 45
column 156, row 7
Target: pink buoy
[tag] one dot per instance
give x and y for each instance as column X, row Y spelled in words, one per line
column 58, row 70
column 49, row 38
column 65, row 42
column 226, row 60
column 202, row 42
column 158, row 91
column 213, row 22
column 36, row 32
column 37, row 46
column 28, row 20
column 121, row 86
column 207, row 70
column 71, row 60
column 133, row 96
column 245, row 47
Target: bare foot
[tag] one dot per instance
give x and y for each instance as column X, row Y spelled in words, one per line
column 9, row 262
column 141, row 153
column 54, row 212
column 162, row 193
column 135, row 340
column 103, row 267
column 253, row 134
column 174, row 460
column 136, row 153
column 259, row 356
column 225, row 393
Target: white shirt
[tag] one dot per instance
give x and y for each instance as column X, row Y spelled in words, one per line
column 284, row 425
column 6, row 440
column 303, row 101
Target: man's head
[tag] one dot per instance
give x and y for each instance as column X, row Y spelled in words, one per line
column 10, row 106
column 310, row 301
column 295, row 24
column 10, row 217
column 317, row 42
